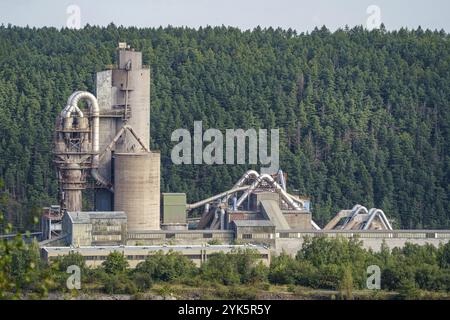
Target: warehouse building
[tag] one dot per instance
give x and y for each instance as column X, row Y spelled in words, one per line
column 94, row 256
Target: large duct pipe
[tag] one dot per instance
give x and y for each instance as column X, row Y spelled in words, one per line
column 372, row 214
column 72, row 103
column 222, row 219
column 255, row 175
column 246, row 176
column 234, row 203
column 218, row 196
column 278, row 189
column 315, row 226
column 282, row 181
column 355, row 211
column 249, row 174
column 75, row 98
column 67, row 111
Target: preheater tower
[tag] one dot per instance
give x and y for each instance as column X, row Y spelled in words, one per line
column 125, row 172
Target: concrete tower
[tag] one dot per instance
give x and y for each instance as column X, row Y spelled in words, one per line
column 123, row 95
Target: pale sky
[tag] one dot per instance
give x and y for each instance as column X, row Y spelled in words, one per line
column 245, row 14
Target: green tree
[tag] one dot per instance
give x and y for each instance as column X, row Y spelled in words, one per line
column 166, row 267
column 115, row 263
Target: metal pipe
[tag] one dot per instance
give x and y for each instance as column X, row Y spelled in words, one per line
column 95, row 113
column 315, row 226
column 66, row 112
column 222, row 219
column 275, row 185
column 218, row 196
column 355, row 211
column 73, row 101
column 249, row 174
column 109, row 146
column 388, row 224
column 295, row 198
column 136, row 137
column 254, row 174
column 234, row 203
column 102, row 181
column 281, row 177
column 374, row 212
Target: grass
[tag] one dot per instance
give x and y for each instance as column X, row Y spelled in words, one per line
column 257, row 291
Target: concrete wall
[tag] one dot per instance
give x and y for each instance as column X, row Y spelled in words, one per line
column 107, row 131
column 298, row 220
column 198, row 254
column 293, row 245
column 78, row 234
column 188, row 237
column 109, row 231
column 259, row 235
column 133, row 87
column 81, row 234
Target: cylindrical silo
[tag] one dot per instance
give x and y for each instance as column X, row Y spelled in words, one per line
column 136, row 189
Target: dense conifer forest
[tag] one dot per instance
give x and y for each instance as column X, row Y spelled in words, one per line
column 364, row 116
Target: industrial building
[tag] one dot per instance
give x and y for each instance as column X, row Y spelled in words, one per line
column 102, row 144
column 94, row 256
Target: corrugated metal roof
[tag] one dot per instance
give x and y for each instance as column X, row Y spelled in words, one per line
column 86, row 216
column 108, row 249
column 79, row 217
column 107, row 215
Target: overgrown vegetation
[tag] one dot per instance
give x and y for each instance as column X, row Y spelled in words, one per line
column 364, row 116
column 339, row 265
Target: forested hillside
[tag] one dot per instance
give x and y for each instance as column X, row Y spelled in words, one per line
column 364, row 116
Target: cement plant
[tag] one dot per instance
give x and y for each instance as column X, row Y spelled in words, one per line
column 104, row 149
column 223, row 155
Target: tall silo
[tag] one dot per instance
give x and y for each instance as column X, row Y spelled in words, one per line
column 136, row 189
column 123, row 94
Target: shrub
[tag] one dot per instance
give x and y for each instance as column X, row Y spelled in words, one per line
column 73, row 258
column 259, row 273
column 221, row 268
column 115, row 263
column 427, row 277
column 283, row 270
column 407, row 289
column 143, row 281
column 328, row 277
column 119, row 284
column 166, row 267
column 346, row 284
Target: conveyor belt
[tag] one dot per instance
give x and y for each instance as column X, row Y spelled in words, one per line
column 272, row 211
